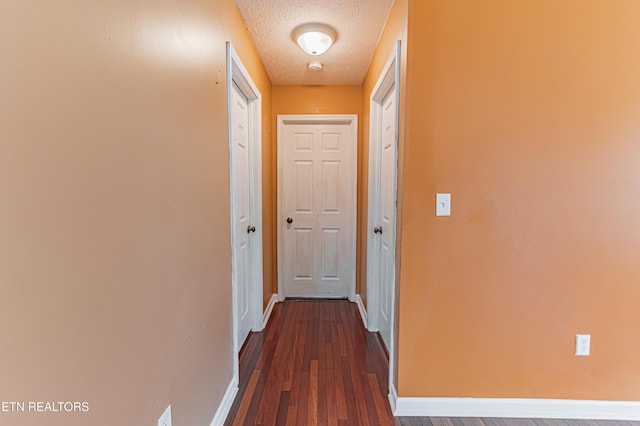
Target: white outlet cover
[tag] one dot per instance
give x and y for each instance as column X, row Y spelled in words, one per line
column 583, row 344
column 443, row 204
column 165, row 418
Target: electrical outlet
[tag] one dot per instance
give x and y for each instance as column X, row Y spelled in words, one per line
column 165, row 418
column 583, row 344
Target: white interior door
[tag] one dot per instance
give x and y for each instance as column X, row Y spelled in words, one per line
column 244, row 110
column 381, row 237
column 387, row 210
column 317, row 183
column 243, row 228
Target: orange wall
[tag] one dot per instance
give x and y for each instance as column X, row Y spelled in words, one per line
column 527, row 112
column 312, row 100
column 115, row 249
column 316, row 100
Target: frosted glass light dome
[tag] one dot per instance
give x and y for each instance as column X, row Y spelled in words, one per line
column 315, row 39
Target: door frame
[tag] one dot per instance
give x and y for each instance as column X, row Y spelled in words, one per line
column 352, row 121
column 238, row 74
column 388, row 80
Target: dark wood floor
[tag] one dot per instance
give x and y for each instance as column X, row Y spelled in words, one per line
column 438, row 421
column 315, row 364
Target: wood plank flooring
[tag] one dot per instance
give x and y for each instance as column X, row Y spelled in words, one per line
column 440, row 421
column 316, row 364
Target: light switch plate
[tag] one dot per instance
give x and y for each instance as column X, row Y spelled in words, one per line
column 443, row 204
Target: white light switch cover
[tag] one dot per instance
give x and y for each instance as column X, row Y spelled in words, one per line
column 443, row 204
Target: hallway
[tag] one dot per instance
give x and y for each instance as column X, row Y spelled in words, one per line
column 313, row 364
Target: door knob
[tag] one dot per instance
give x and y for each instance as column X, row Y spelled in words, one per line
column 377, row 230
column 251, row 229
column 289, row 220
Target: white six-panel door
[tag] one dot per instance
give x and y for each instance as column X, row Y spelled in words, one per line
column 244, row 111
column 242, row 214
column 381, row 236
column 387, row 211
column 317, row 174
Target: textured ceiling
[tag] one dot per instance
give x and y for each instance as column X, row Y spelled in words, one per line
column 358, row 24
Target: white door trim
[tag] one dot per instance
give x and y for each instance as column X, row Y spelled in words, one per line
column 238, row 74
column 388, row 80
column 352, row 121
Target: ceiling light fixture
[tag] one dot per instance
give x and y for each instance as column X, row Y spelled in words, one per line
column 315, row 39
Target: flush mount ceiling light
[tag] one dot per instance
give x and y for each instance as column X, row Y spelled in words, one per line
column 315, row 39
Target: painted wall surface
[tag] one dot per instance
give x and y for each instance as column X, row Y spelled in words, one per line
column 115, row 249
column 395, row 29
column 312, row 100
column 316, row 100
column 527, row 112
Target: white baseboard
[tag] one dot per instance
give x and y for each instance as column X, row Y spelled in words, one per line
column 393, row 397
column 267, row 312
column 363, row 311
column 515, row 408
column 226, row 403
